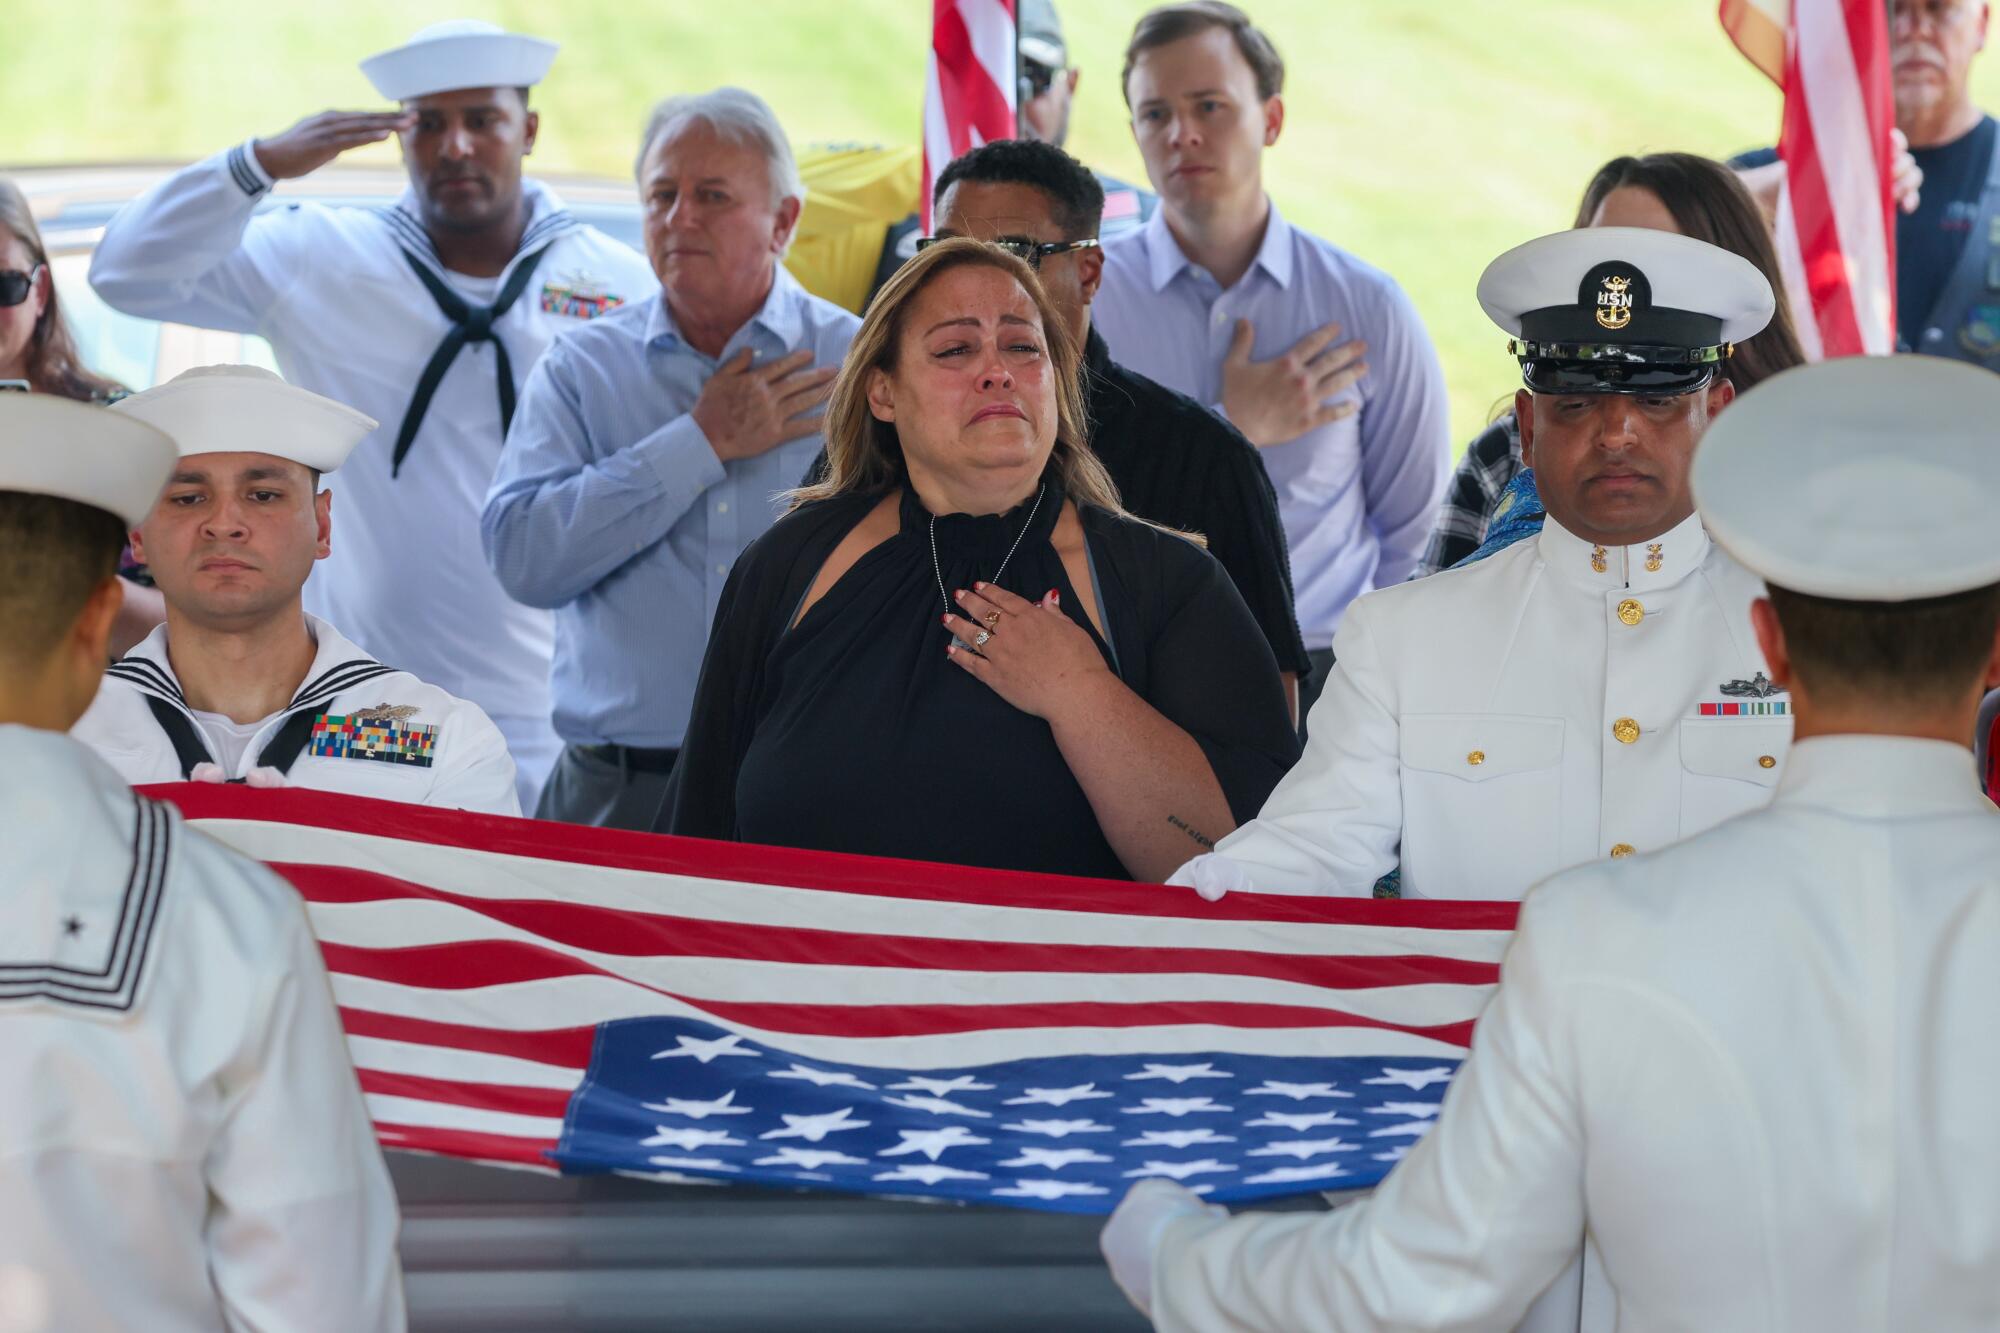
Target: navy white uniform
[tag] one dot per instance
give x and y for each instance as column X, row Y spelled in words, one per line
column 354, row 726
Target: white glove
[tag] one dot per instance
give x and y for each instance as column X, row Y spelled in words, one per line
column 256, row 777
column 1131, row 1239
column 1211, row 876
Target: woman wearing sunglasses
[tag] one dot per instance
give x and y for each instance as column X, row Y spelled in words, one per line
column 36, row 347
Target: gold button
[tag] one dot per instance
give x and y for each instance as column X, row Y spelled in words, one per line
column 1766, row 761
column 1622, row 849
column 1626, row 730
column 1476, row 758
column 1631, row 611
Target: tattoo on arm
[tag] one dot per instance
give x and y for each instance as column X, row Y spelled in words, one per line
column 1194, row 833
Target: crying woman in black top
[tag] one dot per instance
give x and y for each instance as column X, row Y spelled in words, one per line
column 958, row 647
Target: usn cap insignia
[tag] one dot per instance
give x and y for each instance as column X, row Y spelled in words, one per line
column 1615, row 290
column 385, row 740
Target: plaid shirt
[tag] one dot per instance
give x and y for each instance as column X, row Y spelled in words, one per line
column 1491, row 461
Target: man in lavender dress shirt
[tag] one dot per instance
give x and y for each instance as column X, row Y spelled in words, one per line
column 1219, row 297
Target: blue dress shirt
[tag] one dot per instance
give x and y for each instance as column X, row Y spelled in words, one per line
column 1356, row 497
column 610, row 506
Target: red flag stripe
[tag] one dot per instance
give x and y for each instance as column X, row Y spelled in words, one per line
column 977, row 104
column 549, row 1102
column 1813, row 215
column 631, row 934
column 501, row 1148
column 855, row 1020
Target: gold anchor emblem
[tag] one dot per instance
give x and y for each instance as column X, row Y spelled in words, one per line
column 1614, row 303
column 1654, row 558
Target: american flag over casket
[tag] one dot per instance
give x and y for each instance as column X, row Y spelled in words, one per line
column 592, row 1001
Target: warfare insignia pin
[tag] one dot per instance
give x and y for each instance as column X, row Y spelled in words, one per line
column 1757, row 687
column 384, row 712
column 357, row 736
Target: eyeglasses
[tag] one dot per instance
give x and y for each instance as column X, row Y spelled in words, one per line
column 1021, row 247
column 15, row 285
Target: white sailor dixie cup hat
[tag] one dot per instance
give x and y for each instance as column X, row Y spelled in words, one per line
column 249, row 410
column 1623, row 309
column 460, row 53
column 74, row 451
column 1864, row 479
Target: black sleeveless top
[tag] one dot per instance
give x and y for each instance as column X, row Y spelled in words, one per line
column 853, row 731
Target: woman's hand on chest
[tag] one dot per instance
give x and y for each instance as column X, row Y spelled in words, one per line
column 1029, row 653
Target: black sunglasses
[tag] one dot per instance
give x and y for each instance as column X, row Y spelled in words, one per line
column 1022, row 248
column 15, row 285
column 1036, row 80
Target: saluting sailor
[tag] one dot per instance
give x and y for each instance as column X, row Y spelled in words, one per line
column 240, row 684
column 185, row 1143
column 1588, row 694
column 426, row 315
column 1760, row 1067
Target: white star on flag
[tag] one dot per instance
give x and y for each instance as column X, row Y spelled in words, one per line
column 1304, row 1148
column 810, row 1159
column 1298, row 1092
column 1286, row 1175
column 694, row 1163
column 822, row 1078
column 1407, row 1108
column 1207, row 1166
column 930, row 1173
column 700, row 1110
column 1057, row 1096
column 1413, row 1128
column 936, row 1106
column 1048, row 1189
column 1177, row 1106
column 1057, row 1129
column 1177, row 1138
column 941, row 1087
column 1416, row 1080
column 933, row 1142
column 1298, row 1124
column 704, row 1051
column 813, row 1128
column 1179, row 1073
column 690, row 1140
column 1054, row 1159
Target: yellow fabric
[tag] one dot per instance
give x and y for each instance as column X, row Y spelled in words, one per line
column 854, row 194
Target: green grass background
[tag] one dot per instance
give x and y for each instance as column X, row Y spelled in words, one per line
column 1424, row 135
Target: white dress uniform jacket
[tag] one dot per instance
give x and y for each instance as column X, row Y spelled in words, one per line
column 1761, row 1067
column 183, row 1146
column 333, row 292
column 1491, row 725
column 426, row 748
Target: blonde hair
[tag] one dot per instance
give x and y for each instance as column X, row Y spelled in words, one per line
column 865, row 455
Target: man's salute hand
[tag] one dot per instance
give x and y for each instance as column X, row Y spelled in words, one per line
column 317, row 140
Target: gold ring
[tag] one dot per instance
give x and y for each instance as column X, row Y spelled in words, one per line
column 992, row 619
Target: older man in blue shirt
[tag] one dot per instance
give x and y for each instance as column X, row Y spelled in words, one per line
column 1219, row 297
column 650, row 449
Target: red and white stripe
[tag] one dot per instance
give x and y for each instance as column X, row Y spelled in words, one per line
column 1836, row 228
column 970, row 87
column 473, row 956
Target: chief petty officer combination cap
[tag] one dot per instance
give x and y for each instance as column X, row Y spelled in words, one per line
column 1864, row 479
column 249, row 410
column 460, row 53
column 73, row 451
column 1623, row 309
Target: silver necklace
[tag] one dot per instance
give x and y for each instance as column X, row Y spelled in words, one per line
column 937, row 566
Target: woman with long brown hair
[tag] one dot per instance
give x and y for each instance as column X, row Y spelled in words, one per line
column 958, row 647
column 1678, row 192
column 35, row 342
column 36, row 346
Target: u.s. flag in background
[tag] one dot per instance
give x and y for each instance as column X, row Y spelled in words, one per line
column 547, row 995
